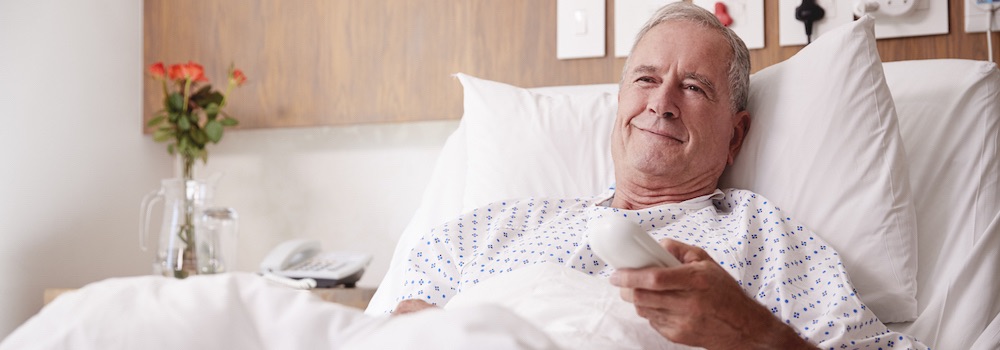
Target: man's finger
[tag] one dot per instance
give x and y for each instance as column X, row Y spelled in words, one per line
column 654, row 278
column 684, row 252
column 668, row 302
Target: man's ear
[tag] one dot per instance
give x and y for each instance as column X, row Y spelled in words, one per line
column 741, row 126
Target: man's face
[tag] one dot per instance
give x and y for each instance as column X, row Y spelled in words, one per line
column 675, row 125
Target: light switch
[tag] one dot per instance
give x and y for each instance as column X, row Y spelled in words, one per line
column 579, row 28
column 748, row 19
column 580, row 22
column 630, row 16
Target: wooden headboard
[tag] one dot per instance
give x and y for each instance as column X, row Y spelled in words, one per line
column 338, row 62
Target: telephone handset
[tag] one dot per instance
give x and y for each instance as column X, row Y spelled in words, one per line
column 302, row 258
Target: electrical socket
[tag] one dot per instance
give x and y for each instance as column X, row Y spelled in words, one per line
column 896, row 7
column 976, row 13
column 792, row 31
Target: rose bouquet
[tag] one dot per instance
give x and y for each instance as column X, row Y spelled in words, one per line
column 191, row 118
column 190, row 115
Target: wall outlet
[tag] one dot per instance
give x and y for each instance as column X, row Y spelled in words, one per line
column 895, row 19
column 976, row 14
column 792, row 31
column 896, row 7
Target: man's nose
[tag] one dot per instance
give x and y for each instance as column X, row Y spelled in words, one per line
column 661, row 102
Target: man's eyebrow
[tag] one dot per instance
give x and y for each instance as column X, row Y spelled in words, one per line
column 703, row 80
column 644, row 69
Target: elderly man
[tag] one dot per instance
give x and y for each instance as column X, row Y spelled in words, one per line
column 750, row 277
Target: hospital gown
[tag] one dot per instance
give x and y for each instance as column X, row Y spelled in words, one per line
column 780, row 263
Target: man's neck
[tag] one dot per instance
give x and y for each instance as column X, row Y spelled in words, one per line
column 632, row 196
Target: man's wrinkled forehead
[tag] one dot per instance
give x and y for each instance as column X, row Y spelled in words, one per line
column 710, row 46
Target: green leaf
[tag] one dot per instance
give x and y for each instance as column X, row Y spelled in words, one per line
column 162, row 135
column 203, row 154
column 212, row 110
column 199, row 138
column 183, row 124
column 203, row 98
column 202, row 92
column 170, row 149
column 175, row 102
column 213, row 129
column 172, row 117
column 155, row 121
column 229, row 121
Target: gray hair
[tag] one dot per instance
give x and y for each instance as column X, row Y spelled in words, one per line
column 739, row 65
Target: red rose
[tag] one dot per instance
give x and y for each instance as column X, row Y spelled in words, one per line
column 191, row 70
column 238, row 78
column 157, row 70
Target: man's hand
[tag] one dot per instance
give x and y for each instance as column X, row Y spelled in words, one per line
column 410, row 305
column 699, row 304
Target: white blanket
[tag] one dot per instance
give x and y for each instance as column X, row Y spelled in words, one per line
column 543, row 306
column 243, row 311
column 576, row 310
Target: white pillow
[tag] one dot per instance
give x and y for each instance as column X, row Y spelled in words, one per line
column 442, row 201
column 949, row 117
column 549, row 143
column 824, row 145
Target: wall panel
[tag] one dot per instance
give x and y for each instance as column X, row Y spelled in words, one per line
column 340, row 62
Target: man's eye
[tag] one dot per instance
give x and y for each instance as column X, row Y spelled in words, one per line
column 645, row 80
column 693, row 88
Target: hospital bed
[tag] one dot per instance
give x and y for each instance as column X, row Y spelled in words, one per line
column 894, row 164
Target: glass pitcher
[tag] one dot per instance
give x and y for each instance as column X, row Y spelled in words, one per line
column 182, row 202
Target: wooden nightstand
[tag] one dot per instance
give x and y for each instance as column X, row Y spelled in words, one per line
column 52, row 293
column 354, row 297
column 357, row 297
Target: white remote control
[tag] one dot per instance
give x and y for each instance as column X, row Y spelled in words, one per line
column 624, row 245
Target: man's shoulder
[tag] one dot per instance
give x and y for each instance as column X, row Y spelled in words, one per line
column 738, row 197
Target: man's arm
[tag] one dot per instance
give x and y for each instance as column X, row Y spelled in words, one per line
column 700, row 304
column 431, row 272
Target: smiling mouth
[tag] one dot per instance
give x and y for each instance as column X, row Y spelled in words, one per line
column 662, row 134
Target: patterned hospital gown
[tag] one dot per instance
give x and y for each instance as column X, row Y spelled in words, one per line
column 783, row 265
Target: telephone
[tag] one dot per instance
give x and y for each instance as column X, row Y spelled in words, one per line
column 301, row 259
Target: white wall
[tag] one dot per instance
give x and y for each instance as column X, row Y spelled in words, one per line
column 75, row 161
column 76, row 164
column 353, row 188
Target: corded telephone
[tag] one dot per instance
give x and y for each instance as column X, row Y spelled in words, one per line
column 302, row 258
